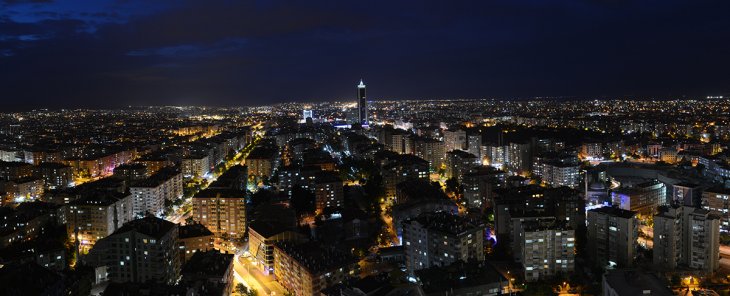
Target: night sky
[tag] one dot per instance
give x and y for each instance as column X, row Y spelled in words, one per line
column 110, row 53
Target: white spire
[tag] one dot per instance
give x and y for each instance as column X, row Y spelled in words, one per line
column 361, row 85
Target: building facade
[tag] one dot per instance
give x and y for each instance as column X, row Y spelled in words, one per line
column 440, row 239
column 222, row 211
column 612, row 236
column 687, row 237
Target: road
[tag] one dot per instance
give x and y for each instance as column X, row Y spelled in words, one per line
column 179, row 218
column 391, row 237
column 251, row 277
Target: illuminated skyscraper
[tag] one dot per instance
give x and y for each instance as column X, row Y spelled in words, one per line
column 308, row 113
column 362, row 103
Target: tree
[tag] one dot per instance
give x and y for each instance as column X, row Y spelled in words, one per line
column 453, row 186
column 241, row 289
column 374, row 191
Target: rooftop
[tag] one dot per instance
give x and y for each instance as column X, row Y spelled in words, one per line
column 220, row 192
column 99, row 197
column 193, row 230
column 634, row 282
column 208, row 264
column 446, row 223
column 614, row 211
column 459, row 275
column 327, row 177
column 160, row 177
column 317, row 258
column 268, row 228
column 151, row 226
column 262, row 152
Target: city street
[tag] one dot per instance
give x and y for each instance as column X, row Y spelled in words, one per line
column 251, row 277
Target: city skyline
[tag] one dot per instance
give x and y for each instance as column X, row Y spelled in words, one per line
column 70, row 54
column 372, row 148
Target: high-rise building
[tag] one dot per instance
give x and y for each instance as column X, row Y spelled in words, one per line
column 55, row 175
column 479, row 185
column 142, row 250
column 308, row 268
column 440, row 239
column 149, row 195
column 520, row 158
column 685, row 236
column 261, row 162
column 546, row 248
column 328, row 191
column 431, row 150
column 405, row 167
column 308, row 113
column 474, row 145
column 717, row 201
column 15, row 170
column 222, row 211
column 561, row 174
column 455, row 139
column 496, row 155
column 459, row 162
column 563, row 203
column 97, row 215
column 686, row 194
column 362, row 104
column 196, row 165
column 612, row 235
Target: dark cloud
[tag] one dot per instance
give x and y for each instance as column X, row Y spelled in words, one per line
column 256, row 52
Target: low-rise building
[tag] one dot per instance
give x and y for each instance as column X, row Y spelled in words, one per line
column 643, row 198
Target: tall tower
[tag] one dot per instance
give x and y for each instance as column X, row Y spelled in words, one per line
column 362, row 104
